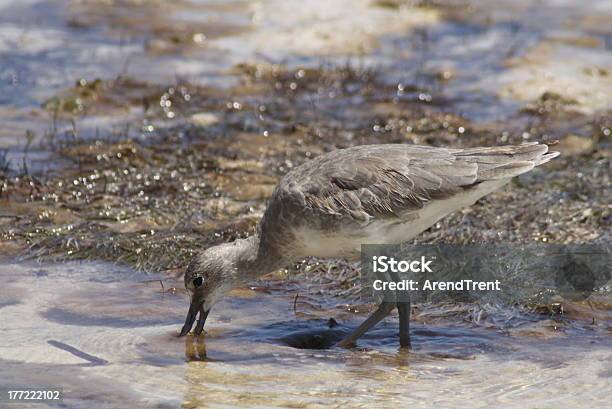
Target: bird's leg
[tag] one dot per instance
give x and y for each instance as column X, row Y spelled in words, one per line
column 404, row 320
column 385, row 307
column 383, row 310
column 403, row 308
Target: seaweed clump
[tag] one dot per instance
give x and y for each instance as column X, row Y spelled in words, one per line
column 151, row 199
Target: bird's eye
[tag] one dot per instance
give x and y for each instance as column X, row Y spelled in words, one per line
column 198, row 281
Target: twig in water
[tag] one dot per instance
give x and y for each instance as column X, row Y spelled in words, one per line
column 295, row 301
column 160, row 282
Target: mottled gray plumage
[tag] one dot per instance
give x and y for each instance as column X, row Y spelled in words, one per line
column 330, row 205
column 350, row 188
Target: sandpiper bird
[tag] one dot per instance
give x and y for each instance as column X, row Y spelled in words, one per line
column 370, row 194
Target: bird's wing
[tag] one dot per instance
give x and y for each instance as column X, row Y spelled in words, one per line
column 380, row 181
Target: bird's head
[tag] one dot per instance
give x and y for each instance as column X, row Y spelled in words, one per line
column 209, row 275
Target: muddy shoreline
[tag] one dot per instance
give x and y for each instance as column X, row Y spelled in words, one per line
column 192, row 165
column 149, row 139
column 205, row 179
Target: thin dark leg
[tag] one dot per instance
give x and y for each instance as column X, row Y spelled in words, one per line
column 404, row 323
column 403, row 308
column 383, row 310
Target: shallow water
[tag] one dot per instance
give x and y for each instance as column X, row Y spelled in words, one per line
column 484, row 61
column 107, row 336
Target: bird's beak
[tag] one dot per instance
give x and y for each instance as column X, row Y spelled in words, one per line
column 197, row 306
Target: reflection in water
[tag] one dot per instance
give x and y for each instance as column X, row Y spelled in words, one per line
column 259, row 353
column 195, row 348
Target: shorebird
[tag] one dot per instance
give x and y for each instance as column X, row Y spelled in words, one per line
column 370, row 194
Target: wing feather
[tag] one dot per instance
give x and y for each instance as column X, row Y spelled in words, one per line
column 383, row 181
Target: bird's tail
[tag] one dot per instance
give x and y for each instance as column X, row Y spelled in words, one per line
column 504, row 162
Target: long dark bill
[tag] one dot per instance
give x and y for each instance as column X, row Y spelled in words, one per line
column 194, row 308
column 200, row 327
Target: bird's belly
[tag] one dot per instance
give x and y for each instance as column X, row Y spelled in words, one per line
column 327, row 244
column 346, row 241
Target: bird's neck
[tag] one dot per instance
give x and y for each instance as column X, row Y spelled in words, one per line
column 253, row 259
